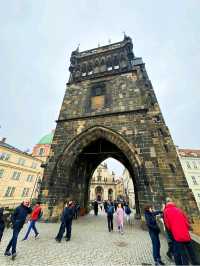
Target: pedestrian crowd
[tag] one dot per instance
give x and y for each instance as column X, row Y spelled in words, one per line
column 175, row 221
column 19, row 217
column 121, row 209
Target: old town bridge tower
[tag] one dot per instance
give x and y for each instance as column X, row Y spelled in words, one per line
column 110, row 110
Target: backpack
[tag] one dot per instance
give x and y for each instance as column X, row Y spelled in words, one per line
column 127, row 210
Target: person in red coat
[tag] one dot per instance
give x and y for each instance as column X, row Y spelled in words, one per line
column 35, row 215
column 178, row 225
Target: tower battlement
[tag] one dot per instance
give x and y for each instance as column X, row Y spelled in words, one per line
column 110, row 59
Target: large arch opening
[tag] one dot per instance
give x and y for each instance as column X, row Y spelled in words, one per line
column 81, row 157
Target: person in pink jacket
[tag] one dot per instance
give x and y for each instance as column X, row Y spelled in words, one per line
column 178, row 225
column 120, row 218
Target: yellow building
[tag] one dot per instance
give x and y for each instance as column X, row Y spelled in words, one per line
column 20, row 175
column 120, row 189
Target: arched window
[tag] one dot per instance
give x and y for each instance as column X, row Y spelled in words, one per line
column 109, row 64
column 110, row 194
column 84, row 70
column 90, row 69
column 116, row 62
column 41, row 151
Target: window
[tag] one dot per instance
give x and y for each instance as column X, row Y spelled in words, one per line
column 25, row 192
column 90, row 70
column 30, row 178
column 116, row 62
column 21, row 161
column 188, row 165
column 99, row 178
column 172, row 167
column 166, row 147
column 97, row 102
column 34, row 165
column 194, row 164
column 194, row 180
column 1, row 172
column 5, row 156
column 161, row 132
column 199, row 196
column 134, row 75
column 16, row 175
column 98, row 97
column 41, row 151
column 9, row 192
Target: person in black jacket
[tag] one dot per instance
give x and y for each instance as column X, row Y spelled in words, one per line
column 18, row 219
column 2, row 223
column 154, row 230
column 96, row 208
column 110, row 211
column 66, row 222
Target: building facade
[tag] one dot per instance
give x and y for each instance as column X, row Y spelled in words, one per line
column 103, row 184
column 20, row 175
column 128, row 188
column 190, row 161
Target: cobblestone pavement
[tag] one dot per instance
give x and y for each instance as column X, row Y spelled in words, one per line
column 91, row 244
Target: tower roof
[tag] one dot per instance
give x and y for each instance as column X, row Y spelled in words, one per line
column 47, row 139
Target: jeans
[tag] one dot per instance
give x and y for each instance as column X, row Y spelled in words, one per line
column 181, row 252
column 31, row 226
column 2, row 227
column 156, row 245
column 13, row 241
column 110, row 222
column 63, row 226
column 69, row 230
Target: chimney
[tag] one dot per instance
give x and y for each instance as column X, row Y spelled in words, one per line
column 3, row 140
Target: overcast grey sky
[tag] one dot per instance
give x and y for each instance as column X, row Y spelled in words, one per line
column 36, row 40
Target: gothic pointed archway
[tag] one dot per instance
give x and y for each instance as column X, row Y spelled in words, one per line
column 74, row 169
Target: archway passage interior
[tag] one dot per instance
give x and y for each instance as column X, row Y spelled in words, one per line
column 74, row 170
column 87, row 162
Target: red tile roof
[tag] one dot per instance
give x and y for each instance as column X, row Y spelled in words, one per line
column 189, row 152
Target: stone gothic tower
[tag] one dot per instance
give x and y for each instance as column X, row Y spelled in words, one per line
column 110, row 110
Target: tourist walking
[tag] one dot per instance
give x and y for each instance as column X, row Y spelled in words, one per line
column 105, row 205
column 66, row 222
column 154, row 230
column 178, row 225
column 18, row 219
column 128, row 213
column 2, row 223
column 35, row 215
column 76, row 210
column 96, row 208
column 120, row 218
column 110, row 212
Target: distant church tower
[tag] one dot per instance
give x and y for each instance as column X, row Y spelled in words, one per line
column 110, row 110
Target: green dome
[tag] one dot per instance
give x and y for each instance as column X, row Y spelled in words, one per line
column 47, row 139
